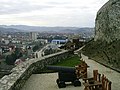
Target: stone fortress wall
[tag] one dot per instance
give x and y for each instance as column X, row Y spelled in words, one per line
column 23, row 71
column 107, row 23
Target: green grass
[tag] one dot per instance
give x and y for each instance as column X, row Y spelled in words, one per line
column 70, row 62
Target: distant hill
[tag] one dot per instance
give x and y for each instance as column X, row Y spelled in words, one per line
column 48, row 29
column 4, row 30
column 83, row 31
column 37, row 28
column 40, row 28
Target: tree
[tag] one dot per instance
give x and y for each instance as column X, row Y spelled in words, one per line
column 35, row 48
column 10, row 59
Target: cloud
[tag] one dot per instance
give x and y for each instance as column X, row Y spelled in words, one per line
column 50, row 12
column 57, row 3
column 13, row 7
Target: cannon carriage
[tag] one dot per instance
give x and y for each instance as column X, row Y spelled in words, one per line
column 70, row 74
column 65, row 74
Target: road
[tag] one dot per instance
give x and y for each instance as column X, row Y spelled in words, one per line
column 41, row 52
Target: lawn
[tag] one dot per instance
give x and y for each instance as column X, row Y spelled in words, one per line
column 70, row 62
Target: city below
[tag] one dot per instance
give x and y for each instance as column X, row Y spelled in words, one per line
column 17, row 45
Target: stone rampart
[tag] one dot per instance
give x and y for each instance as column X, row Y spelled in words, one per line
column 23, row 71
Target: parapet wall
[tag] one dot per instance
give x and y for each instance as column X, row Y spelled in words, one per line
column 23, row 71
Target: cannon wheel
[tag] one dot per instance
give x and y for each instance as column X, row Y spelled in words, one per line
column 77, row 83
column 61, row 84
column 57, row 81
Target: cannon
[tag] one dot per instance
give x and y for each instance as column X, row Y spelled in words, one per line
column 65, row 74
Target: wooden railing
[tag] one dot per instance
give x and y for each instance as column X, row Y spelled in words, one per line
column 81, row 70
column 97, row 82
column 106, row 84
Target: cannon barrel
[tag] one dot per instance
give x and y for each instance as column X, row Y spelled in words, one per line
column 61, row 68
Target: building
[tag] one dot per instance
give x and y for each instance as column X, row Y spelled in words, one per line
column 59, row 43
column 33, row 35
column 55, row 41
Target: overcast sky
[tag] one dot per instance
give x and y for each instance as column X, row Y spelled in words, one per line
column 78, row 13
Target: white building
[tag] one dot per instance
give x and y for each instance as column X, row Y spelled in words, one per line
column 33, row 35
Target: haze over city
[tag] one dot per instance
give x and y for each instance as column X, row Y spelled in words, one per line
column 77, row 13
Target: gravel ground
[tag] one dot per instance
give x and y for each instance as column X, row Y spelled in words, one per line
column 48, row 81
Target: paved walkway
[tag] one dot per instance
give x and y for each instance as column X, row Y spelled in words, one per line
column 48, row 81
column 112, row 75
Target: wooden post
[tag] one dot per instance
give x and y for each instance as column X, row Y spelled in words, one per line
column 109, row 86
column 103, row 82
column 99, row 77
column 95, row 73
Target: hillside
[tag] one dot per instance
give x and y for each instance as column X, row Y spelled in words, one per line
column 4, row 30
column 103, row 52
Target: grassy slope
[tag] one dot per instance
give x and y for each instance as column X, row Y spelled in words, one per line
column 104, row 52
column 71, row 62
